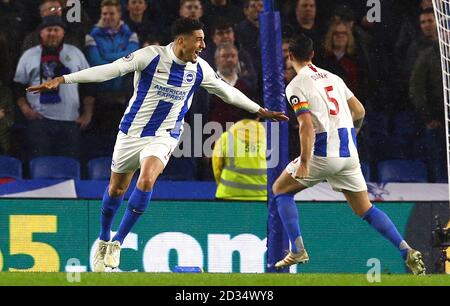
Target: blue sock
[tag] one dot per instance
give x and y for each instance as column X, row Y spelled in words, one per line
column 109, row 209
column 289, row 216
column 383, row 224
column 137, row 204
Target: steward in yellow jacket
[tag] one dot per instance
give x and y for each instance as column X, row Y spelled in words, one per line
column 239, row 162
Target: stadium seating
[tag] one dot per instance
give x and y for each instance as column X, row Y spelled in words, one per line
column 180, row 169
column 54, row 167
column 377, row 136
column 402, row 171
column 99, row 168
column 10, row 167
column 404, row 131
column 404, row 125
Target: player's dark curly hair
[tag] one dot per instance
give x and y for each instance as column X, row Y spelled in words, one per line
column 301, row 47
column 183, row 26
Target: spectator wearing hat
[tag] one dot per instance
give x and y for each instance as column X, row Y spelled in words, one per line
column 53, row 118
column 75, row 31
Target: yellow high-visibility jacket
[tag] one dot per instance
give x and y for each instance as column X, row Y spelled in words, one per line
column 239, row 162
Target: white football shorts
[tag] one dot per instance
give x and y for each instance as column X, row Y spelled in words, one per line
column 342, row 173
column 130, row 151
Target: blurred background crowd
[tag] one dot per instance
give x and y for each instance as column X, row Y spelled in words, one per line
column 393, row 67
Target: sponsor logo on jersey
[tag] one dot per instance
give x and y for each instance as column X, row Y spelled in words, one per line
column 294, row 100
column 189, row 77
column 129, row 57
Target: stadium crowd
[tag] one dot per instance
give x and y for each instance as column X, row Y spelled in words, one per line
column 393, row 66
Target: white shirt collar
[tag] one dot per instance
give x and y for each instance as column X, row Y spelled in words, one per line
column 173, row 56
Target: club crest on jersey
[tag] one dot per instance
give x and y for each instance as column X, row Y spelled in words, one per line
column 129, row 57
column 189, row 77
column 294, row 100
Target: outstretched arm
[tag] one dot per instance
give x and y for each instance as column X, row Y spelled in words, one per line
column 214, row 85
column 234, row 96
column 136, row 61
column 94, row 74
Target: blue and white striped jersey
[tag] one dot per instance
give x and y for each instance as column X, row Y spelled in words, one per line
column 325, row 96
column 163, row 90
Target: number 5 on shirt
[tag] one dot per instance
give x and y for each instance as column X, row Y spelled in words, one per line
column 335, row 111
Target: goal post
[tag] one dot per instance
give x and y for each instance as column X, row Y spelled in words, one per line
column 442, row 15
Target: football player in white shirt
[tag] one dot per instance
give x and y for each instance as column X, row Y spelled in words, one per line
column 329, row 117
column 165, row 79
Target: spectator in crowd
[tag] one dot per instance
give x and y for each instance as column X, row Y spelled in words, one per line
column 239, row 162
column 363, row 48
column 149, row 41
column 191, row 9
column 228, row 68
column 138, row 21
column 247, row 31
column 305, row 22
column 426, row 38
column 108, row 41
column 426, row 94
column 289, row 74
column 29, row 13
column 53, row 118
column 75, row 31
column 410, row 27
column 223, row 32
column 215, row 9
column 340, row 57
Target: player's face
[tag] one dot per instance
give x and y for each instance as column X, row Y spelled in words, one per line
column 110, row 16
column 192, row 45
column 222, row 36
column 52, row 36
column 254, row 8
column 137, row 7
column 428, row 25
column 306, row 10
column 191, row 9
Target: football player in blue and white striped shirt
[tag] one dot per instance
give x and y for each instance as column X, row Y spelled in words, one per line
column 329, row 116
column 165, row 79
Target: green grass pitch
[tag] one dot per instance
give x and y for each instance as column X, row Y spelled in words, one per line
column 209, row 279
